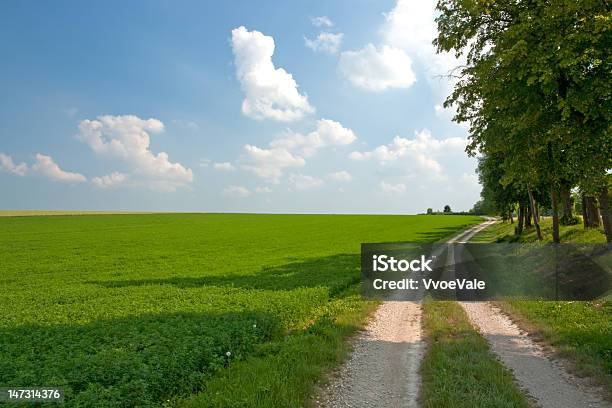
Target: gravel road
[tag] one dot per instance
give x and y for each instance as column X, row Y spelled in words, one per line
column 383, row 369
column 544, row 379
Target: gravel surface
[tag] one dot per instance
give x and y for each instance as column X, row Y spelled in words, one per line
column 383, row 369
column 545, row 380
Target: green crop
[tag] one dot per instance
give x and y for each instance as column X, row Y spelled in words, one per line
column 126, row 310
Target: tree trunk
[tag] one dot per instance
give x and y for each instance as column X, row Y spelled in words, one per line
column 585, row 215
column 590, row 211
column 555, row 213
column 521, row 219
column 568, row 210
column 534, row 211
column 606, row 213
column 527, row 216
column 510, row 216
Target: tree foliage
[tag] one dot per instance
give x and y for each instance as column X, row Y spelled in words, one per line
column 536, row 91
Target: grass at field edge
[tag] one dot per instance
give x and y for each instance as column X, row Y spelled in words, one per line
column 284, row 373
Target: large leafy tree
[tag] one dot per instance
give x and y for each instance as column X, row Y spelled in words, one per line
column 536, row 89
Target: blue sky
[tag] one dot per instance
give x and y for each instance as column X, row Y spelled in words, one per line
column 228, row 106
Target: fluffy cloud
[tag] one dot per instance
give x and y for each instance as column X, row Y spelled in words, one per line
column 225, row 166
column 341, row 176
column 237, row 192
column 270, row 92
column 269, row 163
column 110, row 180
column 392, row 188
column 325, row 42
column 6, row 163
column 48, row 168
column 406, row 35
column 421, row 152
column 299, row 182
column 128, row 138
column 321, row 21
column 377, row 69
column 411, row 26
column 327, row 133
column 289, row 150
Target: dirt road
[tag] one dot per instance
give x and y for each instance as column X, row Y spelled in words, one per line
column 383, row 370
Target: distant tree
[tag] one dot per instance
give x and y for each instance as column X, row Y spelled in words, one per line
column 447, row 208
column 483, row 207
column 429, row 211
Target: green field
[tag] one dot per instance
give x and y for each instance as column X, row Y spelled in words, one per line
column 186, row 309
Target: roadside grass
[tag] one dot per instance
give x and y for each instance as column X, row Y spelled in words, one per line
column 283, row 373
column 458, row 369
column 135, row 310
column 504, row 232
column 579, row 331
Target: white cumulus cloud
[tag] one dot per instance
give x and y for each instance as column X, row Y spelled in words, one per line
column 225, row 166
column 377, row 68
column 128, row 138
column 411, row 26
column 270, row 163
column 327, row 133
column 325, row 42
column 48, row 168
column 299, row 182
column 420, row 152
column 6, row 163
column 270, row 92
column 290, row 149
column 110, row 180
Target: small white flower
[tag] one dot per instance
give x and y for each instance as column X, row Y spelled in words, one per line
column 229, row 353
column 254, row 326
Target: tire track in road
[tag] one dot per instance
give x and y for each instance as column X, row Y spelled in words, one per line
column 545, row 380
column 383, row 369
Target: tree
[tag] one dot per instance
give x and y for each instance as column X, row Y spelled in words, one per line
column 536, row 90
column 502, row 196
column 447, row 209
column 483, row 207
column 429, row 211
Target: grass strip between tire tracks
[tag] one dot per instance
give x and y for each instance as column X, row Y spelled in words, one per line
column 458, row 369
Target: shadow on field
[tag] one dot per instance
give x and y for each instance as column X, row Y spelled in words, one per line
column 436, row 234
column 336, row 273
column 130, row 361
